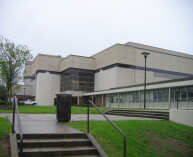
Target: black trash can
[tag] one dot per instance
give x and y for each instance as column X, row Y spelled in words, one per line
column 63, row 107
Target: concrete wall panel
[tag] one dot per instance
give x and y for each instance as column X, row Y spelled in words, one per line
column 182, row 116
column 47, row 86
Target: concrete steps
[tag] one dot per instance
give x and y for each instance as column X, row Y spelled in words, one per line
column 45, row 145
column 164, row 115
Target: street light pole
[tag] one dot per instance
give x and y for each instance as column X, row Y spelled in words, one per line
column 24, row 93
column 145, row 56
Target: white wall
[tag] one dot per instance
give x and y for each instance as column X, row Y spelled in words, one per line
column 47, row 86
column 105, row 79
column 125, row 77
column 34, row 87
column 182, row 116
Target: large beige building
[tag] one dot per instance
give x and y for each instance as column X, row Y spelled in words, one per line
column 113, row 77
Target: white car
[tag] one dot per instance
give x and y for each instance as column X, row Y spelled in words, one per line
column 29, row 102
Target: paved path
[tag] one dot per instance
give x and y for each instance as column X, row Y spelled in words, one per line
column 74, row 117
column 47, row 123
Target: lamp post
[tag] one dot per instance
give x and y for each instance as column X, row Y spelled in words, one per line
column 24, row 92
column 145, row 56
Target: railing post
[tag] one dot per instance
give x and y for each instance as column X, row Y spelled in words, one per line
column 88, row 118
column 125, row 149
column 110, row 123
column 13, row 119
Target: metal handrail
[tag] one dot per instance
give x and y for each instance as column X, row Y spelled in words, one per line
column 15, row 108
column 176, row 95
column 124, row 136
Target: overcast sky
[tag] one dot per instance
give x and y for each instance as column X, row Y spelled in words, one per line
column 85, row 27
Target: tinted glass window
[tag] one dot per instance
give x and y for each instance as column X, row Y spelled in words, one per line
column 77, row 81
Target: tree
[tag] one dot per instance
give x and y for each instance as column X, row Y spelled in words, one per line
column 2, row 92
column 12, row 61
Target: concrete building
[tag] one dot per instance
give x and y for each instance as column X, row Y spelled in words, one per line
column 113, row 77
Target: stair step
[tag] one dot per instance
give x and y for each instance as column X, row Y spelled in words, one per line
column 157, row 114
column 47, row 145
column 139, row 111
column 45, row 149
column 140, row 115
column 59, row 151
column 40, row 144
column 90, row 155
column 53, row 136
column 54, row 140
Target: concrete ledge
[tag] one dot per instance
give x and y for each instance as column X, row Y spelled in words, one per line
column 96, row 145
column 182, row 116
column 13, row 145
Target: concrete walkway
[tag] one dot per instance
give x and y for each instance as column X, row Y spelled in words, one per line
column 47, row 123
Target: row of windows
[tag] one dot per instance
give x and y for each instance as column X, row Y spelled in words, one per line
column 78, row 73
column 182, row 96
column 77, row 81
column 78, row 84
column 77, row 78
column 156, row 95
column 75, row 88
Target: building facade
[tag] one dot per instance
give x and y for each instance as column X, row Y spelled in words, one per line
column 113, row 77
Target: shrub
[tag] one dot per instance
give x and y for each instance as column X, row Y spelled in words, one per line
column 21, row 103
column 2, row 103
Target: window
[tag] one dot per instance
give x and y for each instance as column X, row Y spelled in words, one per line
column 173, row 96
column 142, row 96
column 115, row 98
column 190, row 95
column 77, row 80
column 155, row 95
column 147, row 96
column 130, row 98
column 121, row 98
column 160, row 95
column 134, row 96
column 137, row 96
column 151, row 96
column 165, row 95
column 184, row 94
column 172, row 92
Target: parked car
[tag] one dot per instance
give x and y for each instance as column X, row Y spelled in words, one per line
column 29, row 102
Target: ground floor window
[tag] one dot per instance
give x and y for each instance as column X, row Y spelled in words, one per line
column 163, row 95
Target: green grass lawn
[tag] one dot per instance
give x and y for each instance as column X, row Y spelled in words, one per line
column 144, row 138
column 5, row 129
column 52, row 109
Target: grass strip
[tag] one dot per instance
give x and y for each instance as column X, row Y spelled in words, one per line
column 144, row 138
column 52, row 110
column 5, row 129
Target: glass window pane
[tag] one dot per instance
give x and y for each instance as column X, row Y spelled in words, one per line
column 151, row 96
column 165, row 95
column 155, row 95
column 130, row 97
column 76, row 80
column 142, row 96
column 190, row 95
column 137, row 96
column 160, row 95
column 184, row 94
column 134, row 96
